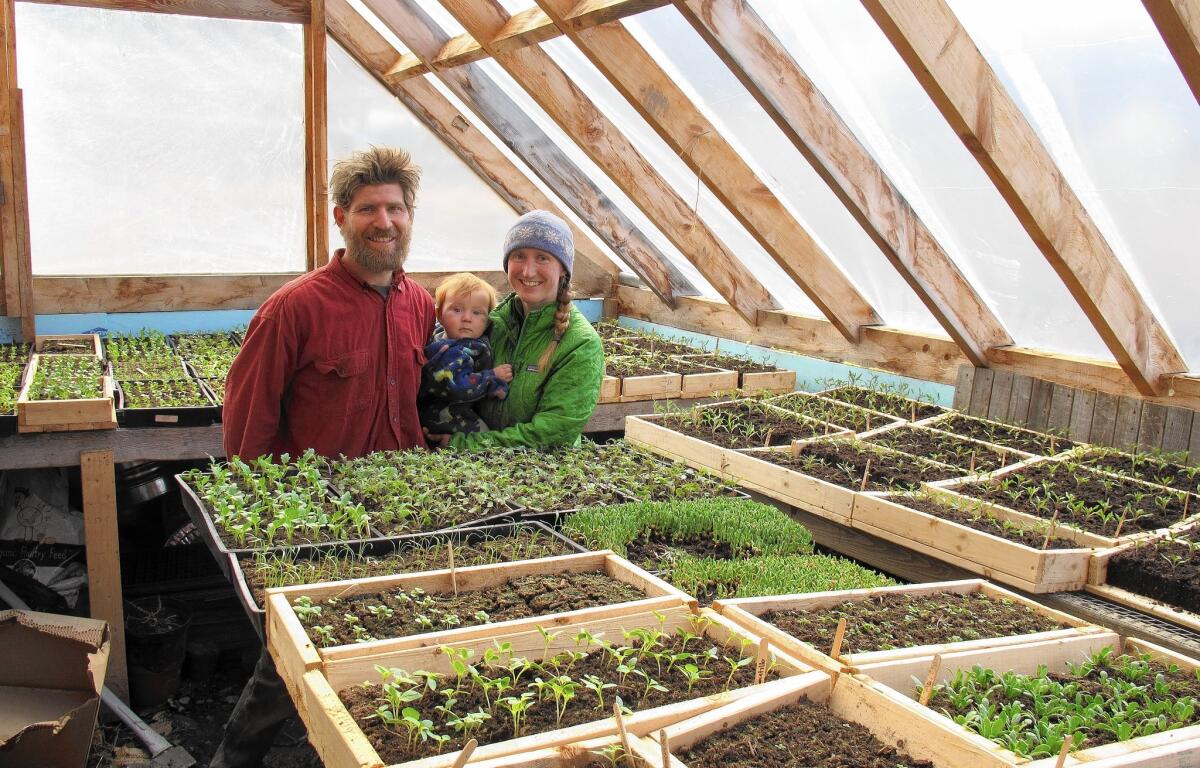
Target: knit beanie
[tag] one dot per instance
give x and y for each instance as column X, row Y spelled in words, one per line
column 544, row 231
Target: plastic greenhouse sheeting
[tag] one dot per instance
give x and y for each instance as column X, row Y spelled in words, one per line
column 1099, row 85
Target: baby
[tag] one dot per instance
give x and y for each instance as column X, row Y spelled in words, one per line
column 459, row 369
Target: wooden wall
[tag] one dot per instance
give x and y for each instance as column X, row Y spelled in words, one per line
column 1081, row 414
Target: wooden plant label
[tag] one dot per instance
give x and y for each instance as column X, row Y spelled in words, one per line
column 1121, row 522
column 927, row 689
column 665, row 743
column 453, row 573
column 624, row 734
column 866, row 476
column 1062, row 753
column 838, row 636
column 761, row 661
column 1050, row 529
column 465, row 755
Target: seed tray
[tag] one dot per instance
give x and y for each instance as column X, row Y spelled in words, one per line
column 383, row 547
column 314, row 681
column 70, row 344
column 65, row 415
column 184, row 416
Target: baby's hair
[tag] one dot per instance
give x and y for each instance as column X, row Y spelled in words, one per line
column 463, row 284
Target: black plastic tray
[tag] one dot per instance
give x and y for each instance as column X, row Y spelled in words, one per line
column 192, row 416
column 380, row 547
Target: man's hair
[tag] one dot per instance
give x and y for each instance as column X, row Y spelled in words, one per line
column 462, row 284
column 377, row 165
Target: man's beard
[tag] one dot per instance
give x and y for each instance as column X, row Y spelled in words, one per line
column 373, row 258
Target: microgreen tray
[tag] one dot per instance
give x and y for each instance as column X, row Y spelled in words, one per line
column 382, row 548
column 183, row 416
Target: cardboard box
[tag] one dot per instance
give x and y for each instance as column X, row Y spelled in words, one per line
column 50, row 682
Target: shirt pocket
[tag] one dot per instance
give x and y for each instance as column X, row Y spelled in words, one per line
column 345, row 380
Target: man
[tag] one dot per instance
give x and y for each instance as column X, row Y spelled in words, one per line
column 331, row 361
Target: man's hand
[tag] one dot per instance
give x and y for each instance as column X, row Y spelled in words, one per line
column 500, row 394
column 435, row 441
column 503, row 372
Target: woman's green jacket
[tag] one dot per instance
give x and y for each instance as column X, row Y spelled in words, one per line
column 546, row 408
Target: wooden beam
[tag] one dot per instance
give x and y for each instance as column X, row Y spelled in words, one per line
column 575, row 113
column 907, row 353
column 291, row 11
column 699, row 143
column 1178, row 22
column 175, row 293
column 744, row 42
column 98, row 479
column 595, row 272
column 316, row 149
column 520, row 133
column 971, row 97
column 529, row 27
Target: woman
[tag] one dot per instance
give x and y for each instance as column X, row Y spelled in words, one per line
column 555, row 354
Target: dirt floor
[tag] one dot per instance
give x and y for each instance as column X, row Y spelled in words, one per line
column 193, row 719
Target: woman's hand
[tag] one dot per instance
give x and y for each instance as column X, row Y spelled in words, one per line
column 503, row 372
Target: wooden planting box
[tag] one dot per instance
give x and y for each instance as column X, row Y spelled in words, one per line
column 753, row 382
column 286, row 630
column 709, row 383
column 821, row 498
column 70, row 344
column 1097, row 584
column 745, row 612
column 659, row 386
column 848, row 698
column 1179, row 747
column 993, row 557
column 314, row 682
column 876, row 419
column 610, row 389
column 1008, row 457
column 64, row 415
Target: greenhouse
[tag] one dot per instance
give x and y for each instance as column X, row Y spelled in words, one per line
column 596, row 383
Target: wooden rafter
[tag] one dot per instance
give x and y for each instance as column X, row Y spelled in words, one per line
column 316, row 150
column 699, row 143
column 522, row 135
column 372, row 51
column 528, row 27
column 744, row 42
column 289, row 11
column 968, row 93
column 1178, row 22
column 574, row 112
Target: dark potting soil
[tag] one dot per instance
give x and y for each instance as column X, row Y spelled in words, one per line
column 885, row 402
column 944, row 448
column 1166, row 571
column 1148, row 468
column 363, row 701
column 342, row 563
column 771, row 427
column 892, row 621
column 655, row 550
column 803, row 735
column 1004, row 435
column 1028, row 534
column 843, row 462
column 1093, row 488
column 400, row 614
column 833, row 412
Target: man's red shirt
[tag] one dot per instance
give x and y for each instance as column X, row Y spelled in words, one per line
column 328, row 363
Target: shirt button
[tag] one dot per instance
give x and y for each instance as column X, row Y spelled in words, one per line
column 395, row 418
column 392, row 382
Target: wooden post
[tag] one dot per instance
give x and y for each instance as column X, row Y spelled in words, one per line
column 465, row 755
column 927, row 689
column 836, row 651
column 316, row 150
column 104, row 559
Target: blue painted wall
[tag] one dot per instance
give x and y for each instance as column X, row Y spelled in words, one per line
column 812, row 374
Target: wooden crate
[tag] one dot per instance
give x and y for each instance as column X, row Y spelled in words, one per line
column 745, row 611
column 88, row 343
column 876, row 419
column 821, row 498
column 849, row 699
column 341, row 744
column 610, row 389
column 1180, row 747
column 647, row 432
column 993, row 557
column 768, row 381
column 64, row 415
column 292, row 638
